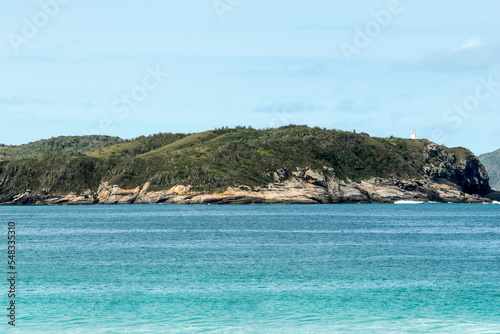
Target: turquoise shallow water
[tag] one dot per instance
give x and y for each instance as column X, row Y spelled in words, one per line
column 256, row 269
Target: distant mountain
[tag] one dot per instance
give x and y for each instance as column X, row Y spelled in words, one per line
column 491, row 162
column 291, row 164
column 58, row 145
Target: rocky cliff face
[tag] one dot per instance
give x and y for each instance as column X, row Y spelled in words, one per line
column 446, row 178
column 468, row 174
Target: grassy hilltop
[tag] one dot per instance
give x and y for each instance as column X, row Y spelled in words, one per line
column 211, row 160
column 59, row 145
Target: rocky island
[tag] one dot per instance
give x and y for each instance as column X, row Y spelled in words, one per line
column 292, row 164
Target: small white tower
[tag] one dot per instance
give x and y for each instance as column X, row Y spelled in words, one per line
column 413, row 134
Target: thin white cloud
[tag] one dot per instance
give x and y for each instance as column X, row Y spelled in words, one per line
column 474, row 42
column 471, row 54
column 316, row 70
column 351, row 106
column 288, row 107
column 17, row 100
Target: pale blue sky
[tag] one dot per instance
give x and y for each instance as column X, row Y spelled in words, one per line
column 433, row 66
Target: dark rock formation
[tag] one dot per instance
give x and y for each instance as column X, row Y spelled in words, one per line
column 469, row 174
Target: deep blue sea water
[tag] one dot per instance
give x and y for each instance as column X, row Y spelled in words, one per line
column 255, row 269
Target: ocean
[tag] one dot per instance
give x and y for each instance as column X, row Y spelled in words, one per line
column 367, row 268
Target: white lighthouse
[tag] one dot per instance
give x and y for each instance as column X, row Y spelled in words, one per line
column 413, row 134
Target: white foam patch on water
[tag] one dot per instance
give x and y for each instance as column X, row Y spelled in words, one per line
column 408, row 202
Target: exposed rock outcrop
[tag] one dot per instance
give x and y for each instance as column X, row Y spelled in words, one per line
column 306, row 186
column 469, row 174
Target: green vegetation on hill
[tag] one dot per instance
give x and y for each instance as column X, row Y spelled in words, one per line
column 58, row 145
column 137, row 146
column 58, row 173
column 219, row 158
column 491, row 162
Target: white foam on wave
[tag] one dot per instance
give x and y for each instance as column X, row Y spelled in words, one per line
column 408, row 202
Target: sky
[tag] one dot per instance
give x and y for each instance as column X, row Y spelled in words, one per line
column 129, row 68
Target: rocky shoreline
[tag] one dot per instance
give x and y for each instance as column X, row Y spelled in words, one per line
column 446, row 180
column 305, row 187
